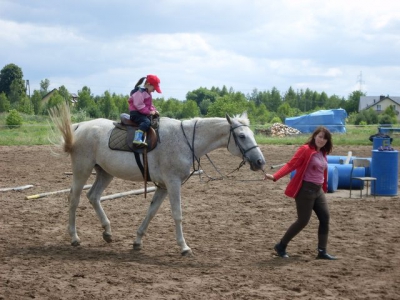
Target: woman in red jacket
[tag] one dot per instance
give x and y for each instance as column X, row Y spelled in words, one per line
column 308, row 187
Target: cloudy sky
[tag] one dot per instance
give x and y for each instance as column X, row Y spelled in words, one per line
column 332, row 46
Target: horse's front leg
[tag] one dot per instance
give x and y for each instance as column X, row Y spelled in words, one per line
column 155, row 204
column 176, row 209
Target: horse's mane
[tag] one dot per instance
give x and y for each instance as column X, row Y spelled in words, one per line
column 242, row 119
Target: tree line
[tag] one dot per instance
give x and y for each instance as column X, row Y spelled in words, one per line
column 262, row 107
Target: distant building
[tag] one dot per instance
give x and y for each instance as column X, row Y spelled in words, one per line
column 73, row 97
column 379, row 104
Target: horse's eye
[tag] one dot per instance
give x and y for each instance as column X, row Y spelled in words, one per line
column 242, row 135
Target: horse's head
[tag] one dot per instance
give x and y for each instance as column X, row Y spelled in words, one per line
column 243, row 142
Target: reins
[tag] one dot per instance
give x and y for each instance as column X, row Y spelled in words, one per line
column 195, row 158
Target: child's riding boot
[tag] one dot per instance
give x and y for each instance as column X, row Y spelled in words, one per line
column 138, row 140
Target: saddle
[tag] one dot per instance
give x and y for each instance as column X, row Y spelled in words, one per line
column 123, row 134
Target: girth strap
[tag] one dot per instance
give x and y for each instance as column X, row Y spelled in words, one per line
column 140, row 165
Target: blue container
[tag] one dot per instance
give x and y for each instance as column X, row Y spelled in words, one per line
column 385, row 168
column 337, row 159
column 344, row 177
column 333, row 178
column 380, row 141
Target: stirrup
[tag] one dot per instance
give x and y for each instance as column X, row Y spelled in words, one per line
column 139, row 144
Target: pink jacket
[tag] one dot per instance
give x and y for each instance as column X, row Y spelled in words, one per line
column 142, row 102
column 299, row 162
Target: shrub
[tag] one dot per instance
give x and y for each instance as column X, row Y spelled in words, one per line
column 276, row 120
column 14, row 119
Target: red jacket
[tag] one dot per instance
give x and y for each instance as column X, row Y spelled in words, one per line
column 299, row 162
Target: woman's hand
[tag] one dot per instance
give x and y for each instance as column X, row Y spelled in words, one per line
column 269, row 176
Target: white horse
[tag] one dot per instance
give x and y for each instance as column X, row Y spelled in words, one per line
column 169, row 164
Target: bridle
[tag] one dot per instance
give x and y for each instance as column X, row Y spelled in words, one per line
column 235, row 137
column 231, row 133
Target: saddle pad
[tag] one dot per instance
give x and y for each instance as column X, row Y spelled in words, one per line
column 118, row 140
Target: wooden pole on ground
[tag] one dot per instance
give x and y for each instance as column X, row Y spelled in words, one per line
column 70, row 173
column 18, row 188
column 52, row 193
column 133, row 192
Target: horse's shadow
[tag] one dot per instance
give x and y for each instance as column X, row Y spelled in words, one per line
column 73, row 254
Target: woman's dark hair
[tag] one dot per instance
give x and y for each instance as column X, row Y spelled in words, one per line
column 139, row 83
column 328, row 136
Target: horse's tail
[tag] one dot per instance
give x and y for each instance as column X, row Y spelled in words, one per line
column 61, row 117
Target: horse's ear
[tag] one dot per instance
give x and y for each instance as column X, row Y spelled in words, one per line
column 228, row 118
column 244, row 115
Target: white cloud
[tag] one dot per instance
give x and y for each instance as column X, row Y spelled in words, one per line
column 321, row 45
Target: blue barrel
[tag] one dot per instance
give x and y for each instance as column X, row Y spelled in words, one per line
column 333, row 178
column 385, row 168
column 344, row 177
column 337, row 159
column 380, row 141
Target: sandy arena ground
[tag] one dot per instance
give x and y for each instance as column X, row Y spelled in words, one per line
column 231, row 226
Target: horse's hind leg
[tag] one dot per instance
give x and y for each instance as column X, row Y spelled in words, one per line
column 103, row 179
column 74, row 198
column 155, row 204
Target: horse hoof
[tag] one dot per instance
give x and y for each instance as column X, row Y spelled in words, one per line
column 107, row 237
column 75, row 243
column 187, row 253
column 137, row 247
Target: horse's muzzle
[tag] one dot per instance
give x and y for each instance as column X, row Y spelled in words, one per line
column 258, row 164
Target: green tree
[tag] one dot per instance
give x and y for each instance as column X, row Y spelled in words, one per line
column 17, row 93
column 55, row 100
column 291, row 98
column 190, row 109
column 121, row 102
column 62, row 90
column 172, row 108
column 201, row 94
column 8, row 75
column 334, row 102
column 36, row 100
column 107, row 106
column 44, row 86
column 25, row 106
column 274, row 101
column 86, row 102
column 284, row 111
column 232, row 103
column 353, row 101
column 4, row 103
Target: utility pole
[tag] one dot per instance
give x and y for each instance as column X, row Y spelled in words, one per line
column 360, row 81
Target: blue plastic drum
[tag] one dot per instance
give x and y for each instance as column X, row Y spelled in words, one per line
column 337, row 159
column 385, row 168
column 344, row 177
column 333, row 178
